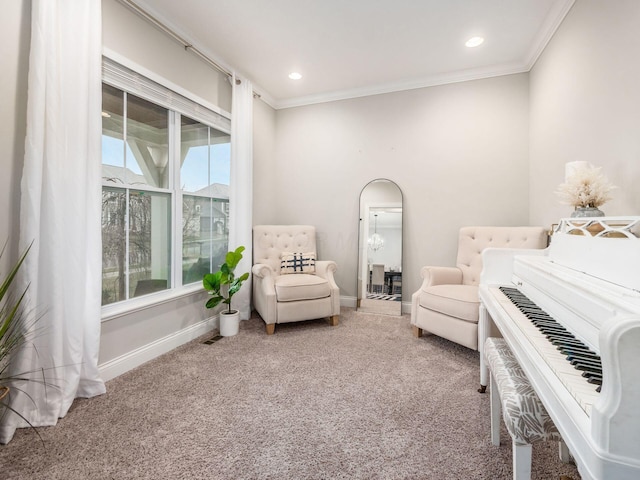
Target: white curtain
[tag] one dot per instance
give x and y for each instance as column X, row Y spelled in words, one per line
column 241, row 188
column 60, row 209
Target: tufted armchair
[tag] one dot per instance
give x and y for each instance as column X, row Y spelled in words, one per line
column 286, row 286
column 447, row 303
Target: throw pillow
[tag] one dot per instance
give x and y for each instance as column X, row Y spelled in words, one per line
column 297, row 263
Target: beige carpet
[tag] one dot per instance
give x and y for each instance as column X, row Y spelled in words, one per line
column 386, row 307
column 363, row 400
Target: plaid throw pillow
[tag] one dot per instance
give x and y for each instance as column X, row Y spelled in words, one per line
column 297, row 263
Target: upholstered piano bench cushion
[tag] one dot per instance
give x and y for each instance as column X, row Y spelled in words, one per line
column 524, row 415
column 292, row 288
column 459, row 301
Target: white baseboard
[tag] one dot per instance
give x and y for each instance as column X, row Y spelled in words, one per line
column 135, row 358
column 351, row 302
column 406, row 307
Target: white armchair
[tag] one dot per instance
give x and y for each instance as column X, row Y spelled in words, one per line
column 295, row 290
column 447, row 303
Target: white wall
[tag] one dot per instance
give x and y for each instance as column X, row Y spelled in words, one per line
column 264, row 176
column 15, row 38
column 458, row 152
column 585, row 105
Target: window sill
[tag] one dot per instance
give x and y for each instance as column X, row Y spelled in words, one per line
column 120, row 309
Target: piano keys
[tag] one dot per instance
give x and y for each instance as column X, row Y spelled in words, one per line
column 577, row 353
column 571, row 315
column 572, row 378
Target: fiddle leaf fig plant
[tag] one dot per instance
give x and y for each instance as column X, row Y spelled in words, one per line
column 223, row 284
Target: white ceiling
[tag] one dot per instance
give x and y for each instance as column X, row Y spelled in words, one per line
column 351, row 48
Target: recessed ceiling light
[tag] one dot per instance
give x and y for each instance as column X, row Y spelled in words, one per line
column 474, row 42
column 295, row 76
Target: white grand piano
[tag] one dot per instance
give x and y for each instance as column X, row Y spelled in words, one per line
column 581, row 295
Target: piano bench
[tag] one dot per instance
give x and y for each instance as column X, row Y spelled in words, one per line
column 525, row 417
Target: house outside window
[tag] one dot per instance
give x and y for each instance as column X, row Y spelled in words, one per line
column 163, row 171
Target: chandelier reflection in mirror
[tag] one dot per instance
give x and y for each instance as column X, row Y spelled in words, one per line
column 376, row 242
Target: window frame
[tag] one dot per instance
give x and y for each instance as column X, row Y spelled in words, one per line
column 179, row 102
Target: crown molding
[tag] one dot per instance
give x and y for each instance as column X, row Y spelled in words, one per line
column 548, row 29
column 432, row 81
column 553, row 20
column 264, row 96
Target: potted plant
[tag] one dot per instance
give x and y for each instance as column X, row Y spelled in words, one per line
column 12, row 327
column 17, row 330
column 585, row 189
column 222, row 285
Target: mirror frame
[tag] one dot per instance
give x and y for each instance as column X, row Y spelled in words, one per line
column 363, row 210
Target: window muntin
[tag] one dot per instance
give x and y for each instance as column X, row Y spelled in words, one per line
column 139, row 196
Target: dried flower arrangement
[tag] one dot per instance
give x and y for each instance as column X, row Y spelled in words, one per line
column 586, row 187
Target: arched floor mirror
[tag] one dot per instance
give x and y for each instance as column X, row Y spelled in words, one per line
column 380, row 248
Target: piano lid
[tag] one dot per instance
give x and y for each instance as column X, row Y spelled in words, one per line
column 607, row 248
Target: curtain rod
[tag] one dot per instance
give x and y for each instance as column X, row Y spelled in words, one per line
column 187, row 46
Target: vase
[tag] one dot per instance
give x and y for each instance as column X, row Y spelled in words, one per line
column 581, row 212
column 229, row 323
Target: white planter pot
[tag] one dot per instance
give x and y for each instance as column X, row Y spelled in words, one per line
column 229, row 323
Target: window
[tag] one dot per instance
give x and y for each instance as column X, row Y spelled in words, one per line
column 204, row 174
column 161, row 168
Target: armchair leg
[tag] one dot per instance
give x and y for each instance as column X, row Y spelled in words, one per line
column 270, row 328
column 417, row 331
column 333, row 320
